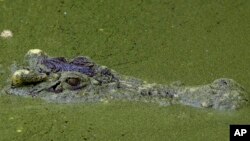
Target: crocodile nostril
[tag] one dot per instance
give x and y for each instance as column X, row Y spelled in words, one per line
column 224, row 82
column 73, row 81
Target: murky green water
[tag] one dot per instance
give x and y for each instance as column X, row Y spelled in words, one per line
column 159, row 41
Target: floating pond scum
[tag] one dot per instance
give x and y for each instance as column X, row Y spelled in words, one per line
column 161, row 41
column 61, row 80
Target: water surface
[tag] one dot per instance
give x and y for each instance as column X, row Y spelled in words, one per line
column 158, row 41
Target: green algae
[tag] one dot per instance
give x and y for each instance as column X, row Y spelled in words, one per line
column 158, row 41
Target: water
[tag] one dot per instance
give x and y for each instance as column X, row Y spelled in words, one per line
column 158, row 41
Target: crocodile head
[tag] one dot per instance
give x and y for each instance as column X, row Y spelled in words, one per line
column 82, row 80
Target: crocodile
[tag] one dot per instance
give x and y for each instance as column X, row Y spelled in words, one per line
column 56, row 79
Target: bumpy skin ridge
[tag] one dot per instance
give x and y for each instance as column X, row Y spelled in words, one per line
column 82, row 80
column 60, row 65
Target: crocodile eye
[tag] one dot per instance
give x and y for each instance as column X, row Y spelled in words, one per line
column 73, row 81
